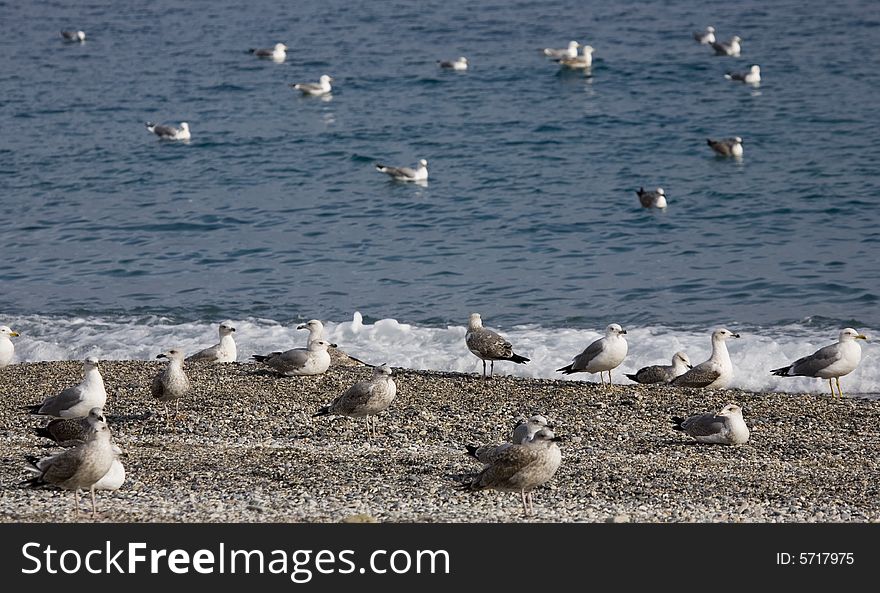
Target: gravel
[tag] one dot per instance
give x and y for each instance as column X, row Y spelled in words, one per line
column 246, row 449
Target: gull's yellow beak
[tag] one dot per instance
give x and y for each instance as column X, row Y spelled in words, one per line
column 862, row 337
column 14, row 334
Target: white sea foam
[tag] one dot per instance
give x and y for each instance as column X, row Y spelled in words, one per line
column 443, row 348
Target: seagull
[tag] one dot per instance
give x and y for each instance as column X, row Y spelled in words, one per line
column 170, row 132
column 70, row 431
column 405, row 173
column 365, row 398
column 716, row 372
column 76, row 401
column 830, row 362
column 312, row 360
column 316, row 332
column 521, row 468
column 277, row 53
column 171, row 383
column 488, row 345
column 569, row 52
column 74, row 35
column 225, row 351
column 753, row 76
column 731, row 48
column 583, row 61
column 705, row 37
column 79, row 467
column 662, row 373
column 652, row 199
column 7, row 348
column 602, row 355
column 523, row 433
column 459, row 64
column 310, row 88
column 727, row 146
column 727, row 427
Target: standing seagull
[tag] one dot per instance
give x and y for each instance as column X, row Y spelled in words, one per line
column 716, row 372
column 488, row 345
column 310, row 88
column 79, row 467
column 79, row 36
column 7, row 348
column 171, row 384
column 731, row 48
column 652, row 199
column 365, row 398
column 753, row 76
column 830, row 362
column 727, row 147
column 225, row 351
column 76, row 401
column 405, row 173
column 705, row 37
column 662, row 373
column 521, row 468
column 568, row 52
column 523, row 433
column 602, row 355
column 277, row 53
column 313, row 360
column 459, row 64
column 170, row 132
column 727, row 427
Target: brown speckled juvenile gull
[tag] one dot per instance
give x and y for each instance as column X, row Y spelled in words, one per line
column 224, row 351
column 727, row 427
column 171, row 383
column 76, row 401
column 488, row 345
column 313, row 360
column 660, row 373
column 79, row 467
column 716, row 372
column 831, row 362
column 69, row 431
column 523, row 432
column 521, row 468
column 365, row 398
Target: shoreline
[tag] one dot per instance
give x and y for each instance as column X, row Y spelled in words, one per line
column 248, row 450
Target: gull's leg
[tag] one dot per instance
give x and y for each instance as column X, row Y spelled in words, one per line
column 176, row 409
column 484, row 368
column 93, row 501
column 522, row 493
column 76, row 502
column 491, row 367
column 831, row 385
column 837, row 380
column 531, row 502
column 602, row 378
column 166, row 414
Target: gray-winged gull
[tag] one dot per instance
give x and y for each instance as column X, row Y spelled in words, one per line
column 729, row 48
column 459, row 64
column 171, row 383
column 485, row 344
column 170, row 132
column 714, row 373
column 7, row 348
column 567, row 52
column 652, row 198
column 76, row 401
column 753, row 76
column 74, row 35
column 582, row 61
column 322, row 87
column 338, row 357
column 659, row 373
column 727, row 427
column 604, row 354
column 312, row 360
column 705, row 37
column 365, row 398
column 406, row 173
column 277, row 53
column 223, row 351
column 831, row 362
column 727, row 146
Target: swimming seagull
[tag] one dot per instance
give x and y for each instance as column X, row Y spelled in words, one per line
column 583, row 61
column 661, row 373
column 405, row 173
column 602, row 355
column 459, row 64
column 310, row 88
column 727, row 146
column 78, row 467
column 277, row 53
column 727, row 427
column 312, row 360
column 652, row 199
column 830, row 362
column 521, row 468
column 716, row 372
column 523, row 433
column 488, row 345
column 170, row 132
column 568, row 52
column 731, row 48
column 74, row 35
column 705, row 37
column 365, row 398
column 753, row 76
column 225, row 351
column 171, row 383
column 76, row 401
column 7, row 348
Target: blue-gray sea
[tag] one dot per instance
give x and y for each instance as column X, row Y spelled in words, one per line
column 117, row 243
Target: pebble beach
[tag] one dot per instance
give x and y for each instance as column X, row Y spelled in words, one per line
column 246, row 449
